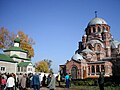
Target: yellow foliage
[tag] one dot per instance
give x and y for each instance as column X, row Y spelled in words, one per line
column 42, row 66
column 26, row 43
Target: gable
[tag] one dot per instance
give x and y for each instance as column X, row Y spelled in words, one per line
column 24, row 64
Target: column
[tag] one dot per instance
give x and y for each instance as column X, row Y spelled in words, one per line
column 90, row 70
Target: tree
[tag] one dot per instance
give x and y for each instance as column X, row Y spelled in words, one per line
column 6, row 38
column 26, row 43
column 48, row 67
column 49, row 62
column 42, row 66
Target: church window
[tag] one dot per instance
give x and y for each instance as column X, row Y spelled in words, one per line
column 98, row 48
column 90, row 47
column 89, row 31
column 21, row 69
column 88, row 70
column 25, row 69
column 99, row 30
column 103, row 28
column 102, row 67
column 93, row 70
column 107, row 28
column 102, row 35
column 74, row 71
column 97, row 69
column 94, row 29
column 2, row 68
column 29, row 69
column 18, row 69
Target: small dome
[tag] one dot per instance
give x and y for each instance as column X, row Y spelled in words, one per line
column 17, row 40
column 77, row 57
column 95, row 21
column 114, row 44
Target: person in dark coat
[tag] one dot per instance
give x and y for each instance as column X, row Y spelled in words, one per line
column 44, row 79
column 101, row 80
column 48, row 79
column 36, row 82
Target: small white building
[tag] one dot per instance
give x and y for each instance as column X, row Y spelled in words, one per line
column 15, row 60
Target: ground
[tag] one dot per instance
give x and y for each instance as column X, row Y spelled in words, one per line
column 83, row 88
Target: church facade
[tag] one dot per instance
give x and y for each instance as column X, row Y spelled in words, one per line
column 15, row 60
column 97, row 51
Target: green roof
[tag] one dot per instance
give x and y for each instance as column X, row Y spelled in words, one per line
column 6, row 58
column 17, row 40
column 15, row 49
column 15, row 56
column 23, row 64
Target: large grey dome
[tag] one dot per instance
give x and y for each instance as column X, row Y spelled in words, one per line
column 95, row 21
column 77, row 57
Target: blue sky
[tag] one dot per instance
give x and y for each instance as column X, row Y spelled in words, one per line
column 57, row 25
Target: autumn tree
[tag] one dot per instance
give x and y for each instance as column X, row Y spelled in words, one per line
column 26, row 43
column 49, row 62
column 6, row 38
column 48, row 67
column 42, row 66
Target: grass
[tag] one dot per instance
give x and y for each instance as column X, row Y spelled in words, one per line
column 95, row 87
column 81, row 87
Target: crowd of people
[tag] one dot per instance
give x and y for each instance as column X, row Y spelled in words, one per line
column 24, row 81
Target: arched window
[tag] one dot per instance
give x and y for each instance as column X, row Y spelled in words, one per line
column 74, row 72
column 94, row 29
column 102, row 35
column 89, row 31
column 97, row 69
column 103, row 28
column 90, row 47
column 18, row 69
column 93, row 69
column 107, row 28
column 102, row 67
column 99, row 30
column 98, row 47
column 88, row 70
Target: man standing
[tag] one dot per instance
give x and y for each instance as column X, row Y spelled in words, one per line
column 101, row 80
column 36, row 82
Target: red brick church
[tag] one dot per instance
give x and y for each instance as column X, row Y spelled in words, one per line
column 96, row 52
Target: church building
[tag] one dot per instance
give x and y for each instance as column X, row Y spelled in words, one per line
column 96, row 52
column 15, row 60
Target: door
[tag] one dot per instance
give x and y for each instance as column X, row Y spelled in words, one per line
column 74, row 72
